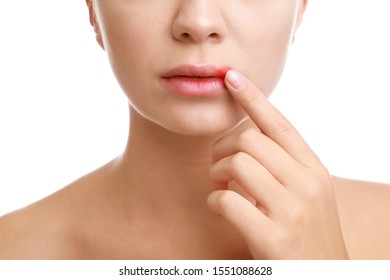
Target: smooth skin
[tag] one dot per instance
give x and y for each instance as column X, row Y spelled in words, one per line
column 225, row 178
column 295, row 212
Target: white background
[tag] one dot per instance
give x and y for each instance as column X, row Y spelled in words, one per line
column 281, row 270
column 62, row 113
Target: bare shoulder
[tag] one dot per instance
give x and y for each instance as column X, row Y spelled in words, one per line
column 31, row 232
column 38, row 231
column 364, row 209
column 52, row 227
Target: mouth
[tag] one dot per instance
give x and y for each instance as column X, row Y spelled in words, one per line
column 200, row 81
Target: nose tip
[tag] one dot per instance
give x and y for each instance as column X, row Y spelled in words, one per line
column 199, row 21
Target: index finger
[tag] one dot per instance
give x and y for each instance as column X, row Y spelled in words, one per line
column 268, row 119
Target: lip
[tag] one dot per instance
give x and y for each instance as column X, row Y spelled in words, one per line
column 193, row 80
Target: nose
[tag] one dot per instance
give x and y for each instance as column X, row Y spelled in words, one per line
column 198, row 21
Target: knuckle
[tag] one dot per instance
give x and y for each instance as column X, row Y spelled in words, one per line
column 226, row 201
column 314, row 189
column 281, row 126
column 247, row 136
column 297, row 213
column 319, row 185
column 237, row 162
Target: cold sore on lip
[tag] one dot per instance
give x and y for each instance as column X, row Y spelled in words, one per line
column 199, row 81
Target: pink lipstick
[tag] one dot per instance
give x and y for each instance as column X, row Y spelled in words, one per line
column 192, row 80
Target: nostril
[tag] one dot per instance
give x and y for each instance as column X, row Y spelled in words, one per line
column 185, row 35
column 214, row 35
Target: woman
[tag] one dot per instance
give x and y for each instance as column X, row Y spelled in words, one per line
column 211, row 170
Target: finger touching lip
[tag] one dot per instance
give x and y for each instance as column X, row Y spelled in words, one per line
column 193, row 80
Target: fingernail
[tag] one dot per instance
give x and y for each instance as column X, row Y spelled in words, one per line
column 236, row 80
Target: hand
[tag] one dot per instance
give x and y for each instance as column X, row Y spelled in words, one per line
column 295, row 215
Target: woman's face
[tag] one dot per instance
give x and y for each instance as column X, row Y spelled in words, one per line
column 146, row 39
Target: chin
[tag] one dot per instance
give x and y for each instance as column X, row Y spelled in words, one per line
column 202, row 117
column 209, row 127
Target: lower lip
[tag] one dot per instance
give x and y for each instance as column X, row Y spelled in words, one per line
column 202, row 87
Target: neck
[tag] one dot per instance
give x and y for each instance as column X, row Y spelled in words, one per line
column 166, row 166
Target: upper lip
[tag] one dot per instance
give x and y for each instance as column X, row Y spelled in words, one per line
column 202, row 71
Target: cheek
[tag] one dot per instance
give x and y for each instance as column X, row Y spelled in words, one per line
column 129, row 35
column 125, row 44
column 266, row 48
